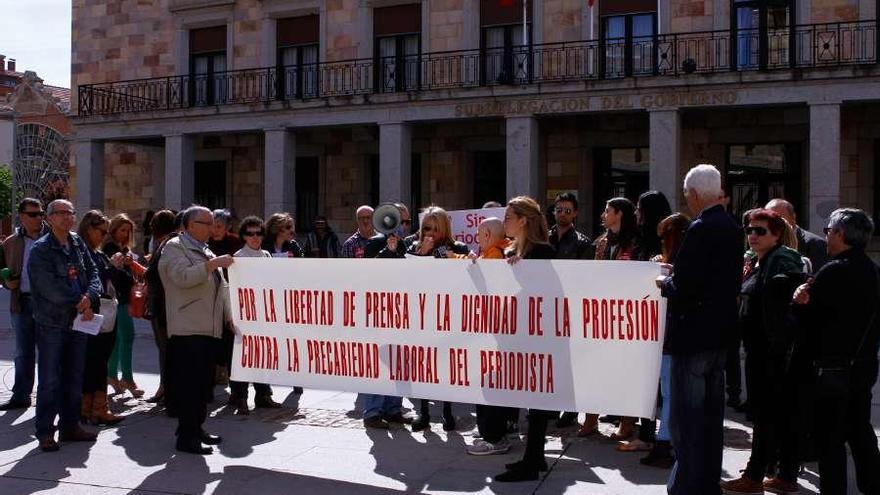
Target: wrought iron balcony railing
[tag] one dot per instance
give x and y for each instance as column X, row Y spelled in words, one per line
column 804, row 46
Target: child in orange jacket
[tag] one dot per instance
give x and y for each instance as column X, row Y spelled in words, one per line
column 490, row 237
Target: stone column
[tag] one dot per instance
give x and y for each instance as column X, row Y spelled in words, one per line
column 824, row 164
column 522, row 157
column 665, row 142
column 89, row 174
column 179, row 171
column 395, row 162
column 279, row 171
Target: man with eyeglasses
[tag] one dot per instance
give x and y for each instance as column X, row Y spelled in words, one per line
column 395, row 244
column 356, row 245
column 14, row 255
column 570, row 244
column 64, row 284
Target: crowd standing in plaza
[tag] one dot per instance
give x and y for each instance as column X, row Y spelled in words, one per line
column 803, row 307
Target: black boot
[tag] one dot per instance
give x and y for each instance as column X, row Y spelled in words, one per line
column 448, row 418
column 660, row 456
column 423, row 419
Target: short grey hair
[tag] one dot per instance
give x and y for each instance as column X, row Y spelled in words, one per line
column 223, row 215
column 855, row 225
column 705, row 181
column 55, row 204
column 192, row 212
column 363, row 208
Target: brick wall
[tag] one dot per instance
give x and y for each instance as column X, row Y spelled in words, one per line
column 834, row 10
column 447, row 24
column 692, row 15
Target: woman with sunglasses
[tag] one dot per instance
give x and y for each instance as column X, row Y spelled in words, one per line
column 119, row 245
column 280, row 236
column 252, row 232
column 527, row 226
column 768, row 340
column 435, row 239
column 93, row 229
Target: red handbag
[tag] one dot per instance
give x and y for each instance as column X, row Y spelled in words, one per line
column 137, row 300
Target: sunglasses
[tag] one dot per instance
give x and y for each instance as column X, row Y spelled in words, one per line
column 34, row 214
column 758, row 231
column 567, row 211
column 254, row 233
column 288, row 227
column 827, row 230
column 427, row 228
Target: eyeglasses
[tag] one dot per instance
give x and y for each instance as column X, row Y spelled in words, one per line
column 365, row 219
column 202, row 222
column 828, row 230
column 567, row 211
column 66, row 213
column 254, row 233
column 758, row 231
column 34, row 214
column 288, row 227
column 428, row 228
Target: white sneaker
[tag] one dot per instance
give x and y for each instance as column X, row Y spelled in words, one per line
column 482, row 447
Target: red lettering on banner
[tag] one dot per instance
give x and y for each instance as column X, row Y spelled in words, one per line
column 566, row 323
column 422, row 298
column 517, row 371
column 458, row 371
column 412, row 363
column 258, row 351
column 535, row 315
column 621, row 319
column 308, row 307
column 247, row 306
column 269, row 305
column 348, row 303
column 292, row 356
column 488, row 314
column 443, row 323
column 387, row 310
column 343, row 358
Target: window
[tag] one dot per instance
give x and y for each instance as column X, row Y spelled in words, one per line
column 398, row 47
column 306, row 181
column 490, row 177
column 505, row 48
column 209, row 179
column 627, row 37
column 297, row 41
column 619, row 173
column 207, row 65
column 757, row 173
column 762, row 34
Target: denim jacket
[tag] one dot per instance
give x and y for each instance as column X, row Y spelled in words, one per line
column 55, row 293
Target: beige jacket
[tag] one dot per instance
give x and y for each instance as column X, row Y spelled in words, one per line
column 197, row 302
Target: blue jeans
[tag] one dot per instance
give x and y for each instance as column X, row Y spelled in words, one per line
column 381, row 405
column 697, row 422
column 62, row 356
column 665, row 375
column 25, row 351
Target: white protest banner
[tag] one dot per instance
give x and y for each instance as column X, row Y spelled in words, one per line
column 466, row 222
column 558, row 335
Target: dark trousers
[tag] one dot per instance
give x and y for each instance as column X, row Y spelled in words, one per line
column 98, row 350
column 25, row 350
column 160, row 334
column 191, row 365
column 772, row 399
column 697, row 422
column 492, row 421
column 537, row 434
column 733, row 371
column 848, row 421
column 239, row 390
column 60, row 360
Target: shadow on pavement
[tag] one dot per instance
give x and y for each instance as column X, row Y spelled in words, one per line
column 50, row 468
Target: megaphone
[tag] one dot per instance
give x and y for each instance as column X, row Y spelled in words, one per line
column 386, row 218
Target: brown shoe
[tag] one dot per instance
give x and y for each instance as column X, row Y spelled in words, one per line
column 85, row 410
column 776, row 485
column 101, row 414
column 625, row 430
column 76, row 434
column 132, row 387
column 48, row 443
column 590, row 426
column 743, row 486
column 266, row 402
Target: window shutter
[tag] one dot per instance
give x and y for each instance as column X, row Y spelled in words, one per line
column 400, row 19
column 212, row 39
column 303, row 30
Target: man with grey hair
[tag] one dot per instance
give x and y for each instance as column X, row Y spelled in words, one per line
column 356, row 245
column 809, row 244
column 197, row 305
column 64, row 285
column 838, row 312
column 221, row 242
column 702, row 293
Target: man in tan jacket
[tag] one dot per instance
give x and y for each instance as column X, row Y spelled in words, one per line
column 197, row 304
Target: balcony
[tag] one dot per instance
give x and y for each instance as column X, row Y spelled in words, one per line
column 667, row 55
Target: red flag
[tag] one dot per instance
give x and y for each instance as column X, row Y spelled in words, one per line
column 506, row 3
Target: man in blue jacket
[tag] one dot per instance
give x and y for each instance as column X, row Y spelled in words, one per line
column 64, row 283
column 702, row 290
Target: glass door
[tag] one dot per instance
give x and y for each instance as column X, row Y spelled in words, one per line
column 628, row 44
column 762, row 33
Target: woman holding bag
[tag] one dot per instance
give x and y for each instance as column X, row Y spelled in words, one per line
column 121, row 233
column 92, row 229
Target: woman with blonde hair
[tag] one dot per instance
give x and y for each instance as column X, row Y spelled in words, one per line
column 527, row 226
column 121, row 240
column 280, row 237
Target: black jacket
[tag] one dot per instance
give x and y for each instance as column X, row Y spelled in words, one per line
column 377, row 247
column 572, row 246
column 843, row 296
column 291, row 247
column 457, row 248
column 705, row 284
column 813, row 247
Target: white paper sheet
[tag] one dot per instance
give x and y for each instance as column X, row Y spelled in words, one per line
column 91, row 327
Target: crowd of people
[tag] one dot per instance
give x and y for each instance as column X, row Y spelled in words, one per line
column 802, row 307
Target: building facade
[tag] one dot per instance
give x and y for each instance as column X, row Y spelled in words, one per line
column 318, row 106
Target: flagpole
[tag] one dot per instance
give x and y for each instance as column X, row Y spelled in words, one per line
column 525, row 39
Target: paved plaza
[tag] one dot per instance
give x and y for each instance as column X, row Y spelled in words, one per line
column 316, row 444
